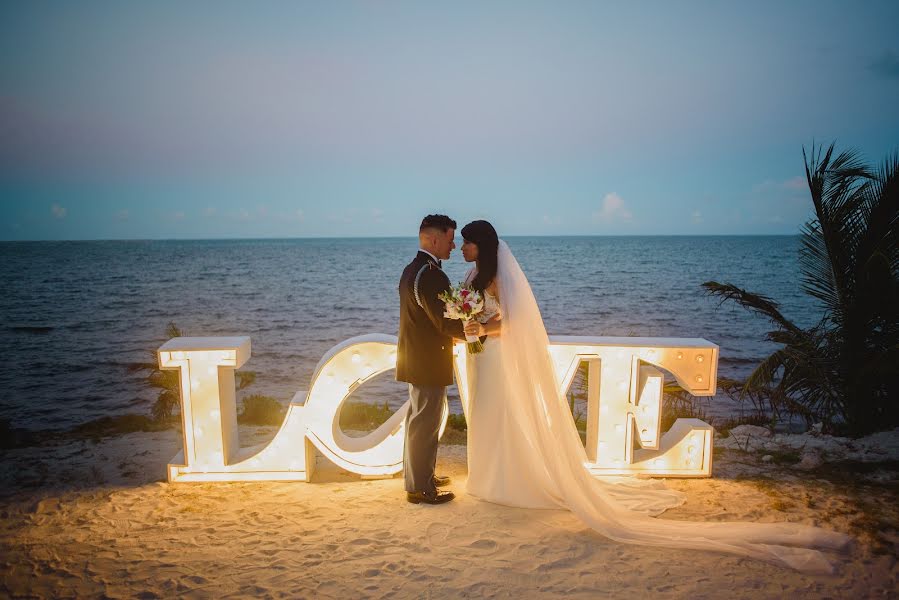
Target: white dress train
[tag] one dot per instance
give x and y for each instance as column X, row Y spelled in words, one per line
column 524, row 451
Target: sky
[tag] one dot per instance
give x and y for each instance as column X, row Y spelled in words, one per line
column 298, row 119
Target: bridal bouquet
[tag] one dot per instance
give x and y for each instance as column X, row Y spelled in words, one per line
column 463, row 303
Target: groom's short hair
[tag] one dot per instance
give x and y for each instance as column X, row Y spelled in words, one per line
column 441, row 222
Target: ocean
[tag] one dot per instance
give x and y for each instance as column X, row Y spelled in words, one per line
column 75, row 315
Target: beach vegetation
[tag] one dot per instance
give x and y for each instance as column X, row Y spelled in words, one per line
column 365, row 416
column 842, row 370
column 261, row 410
column 167, row 382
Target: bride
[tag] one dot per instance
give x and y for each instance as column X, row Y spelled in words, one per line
column 524, row 449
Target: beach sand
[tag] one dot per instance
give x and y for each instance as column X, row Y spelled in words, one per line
column 89, row 519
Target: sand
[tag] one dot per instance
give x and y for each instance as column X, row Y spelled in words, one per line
column 91, row 519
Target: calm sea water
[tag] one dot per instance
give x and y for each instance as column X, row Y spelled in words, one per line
column 74, row 315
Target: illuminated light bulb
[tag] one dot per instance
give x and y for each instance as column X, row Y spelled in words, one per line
column 699, row 358
column 699, row 379
column 680, row 355
column 356, row 358
column 215, row 414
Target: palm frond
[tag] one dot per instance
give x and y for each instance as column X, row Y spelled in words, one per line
column 826, row 258
column 245, row 379
column 880, row 207
column 766, row 371
column 755, row 302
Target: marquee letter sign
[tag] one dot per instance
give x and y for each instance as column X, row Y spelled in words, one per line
column 624, row 405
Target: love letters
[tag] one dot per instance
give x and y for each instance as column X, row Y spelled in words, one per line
column 624, row 408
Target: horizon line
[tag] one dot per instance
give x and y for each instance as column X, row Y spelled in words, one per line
column 391, row 237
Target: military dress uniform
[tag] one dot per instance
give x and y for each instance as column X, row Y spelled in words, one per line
column 424, row 360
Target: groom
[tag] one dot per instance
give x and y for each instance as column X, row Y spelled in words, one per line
column 424, row 357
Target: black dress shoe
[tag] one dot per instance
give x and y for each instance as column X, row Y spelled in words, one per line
column 434, row 497
column 441, row 481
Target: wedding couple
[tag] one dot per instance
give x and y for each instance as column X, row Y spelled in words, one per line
column 523, row 447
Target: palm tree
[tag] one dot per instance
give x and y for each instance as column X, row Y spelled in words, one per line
column 168, row 381
column 843, row 371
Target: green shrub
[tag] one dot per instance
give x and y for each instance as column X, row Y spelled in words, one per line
column 261, row 410
column 457, row 422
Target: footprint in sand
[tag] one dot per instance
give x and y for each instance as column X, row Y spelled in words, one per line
column 483, row 547
column 361, row 542
column 437, row 533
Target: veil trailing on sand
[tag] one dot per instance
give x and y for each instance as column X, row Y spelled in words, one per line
column 620, row 510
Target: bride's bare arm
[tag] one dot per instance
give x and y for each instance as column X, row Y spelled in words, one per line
column 493, row 327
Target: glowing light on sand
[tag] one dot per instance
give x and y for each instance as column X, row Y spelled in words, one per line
column 623, row 433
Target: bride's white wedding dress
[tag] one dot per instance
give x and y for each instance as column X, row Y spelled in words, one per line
column 524, row 450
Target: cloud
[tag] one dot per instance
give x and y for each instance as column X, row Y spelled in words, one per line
column 58, row 211
column 242, row 215
column 886, row 66
column 612, row 209
column 794, row 184
column 344, row 217
column 548, row 220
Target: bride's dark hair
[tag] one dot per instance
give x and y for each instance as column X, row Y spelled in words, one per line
column 484, row 235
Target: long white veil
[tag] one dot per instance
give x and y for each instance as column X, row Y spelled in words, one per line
column 618, row 511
